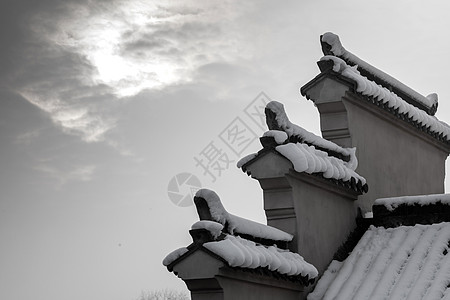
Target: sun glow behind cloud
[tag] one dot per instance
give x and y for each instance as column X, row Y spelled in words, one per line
column 118, row 49
column 137, row 45
column 101, row 37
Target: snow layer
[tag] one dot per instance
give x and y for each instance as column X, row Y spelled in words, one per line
column 172, row 256
column 310, row 160
column 213, row 227
column 392, row 203
column 239, row 252
column 382, row 94
column 368, row 215
column 309, row 137
column 237, row 224
column 246, row 159
column 338, row 50
column 327, row 278
column 407, row 262
column 279, row 136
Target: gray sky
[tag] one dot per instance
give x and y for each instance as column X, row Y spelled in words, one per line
column 102, row 103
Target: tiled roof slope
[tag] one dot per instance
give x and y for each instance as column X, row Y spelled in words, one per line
column 331, row 45
column 242, row 243
column 307, row 152
column 244, row 253
column 379, row 88
column 423, row 200
column 407, row 262
column 384, row 98
column 277, row 119
column 410, row 210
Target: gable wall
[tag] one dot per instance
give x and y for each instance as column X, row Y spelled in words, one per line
column 395, row 158
column 318, row 213
column 325, row 218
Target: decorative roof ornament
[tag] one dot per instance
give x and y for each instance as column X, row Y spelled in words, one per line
column 241, row 243
column 331, row 45
column 307, row 152
column 382, row 95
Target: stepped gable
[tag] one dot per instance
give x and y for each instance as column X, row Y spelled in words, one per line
column 241, row 244
column 307, row 152
column 331, row 45
column 398, row 250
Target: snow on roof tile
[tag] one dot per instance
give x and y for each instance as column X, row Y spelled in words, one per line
column 307, row 152
column 331, row 45
column 384, row 96
column 307, row 159
column 277, row 119
column 213, row 227
column 406, row 262
column 243, row 253
column 246, row 159
column 310, row 160
column 174, row 255
column 392, row 203
column 240, row 252
column 232, row 223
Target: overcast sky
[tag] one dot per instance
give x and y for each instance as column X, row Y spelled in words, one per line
column 103, row 103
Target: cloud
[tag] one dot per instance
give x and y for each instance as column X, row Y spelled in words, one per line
column 27, row 137
column 75, row 117
column 57, row 82
column 75, row 60
column 138, row 45
column 62, row 176
column 83, row 62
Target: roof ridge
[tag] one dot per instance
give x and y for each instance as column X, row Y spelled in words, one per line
column 307, row 152
column 209, row 207
column 275, row 259
column 382, row 96
column 277, row 119
column 331, row 45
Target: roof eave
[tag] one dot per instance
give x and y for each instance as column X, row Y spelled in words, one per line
column 355, row 188
column 326, row 72
column 408, row 97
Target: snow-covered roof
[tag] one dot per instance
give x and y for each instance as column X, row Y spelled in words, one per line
column 243, row 253
column 310, row 160
column 234, row 224
column 174, row 255
column 331, row 45
column 392, row 203
column 238, row 252
column 242, row 243
column 277, row 119
column 307, row 152
column 213, row 227
column 382, row 96
column 407, row 262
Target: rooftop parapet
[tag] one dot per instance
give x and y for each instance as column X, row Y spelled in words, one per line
column 331, row 45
